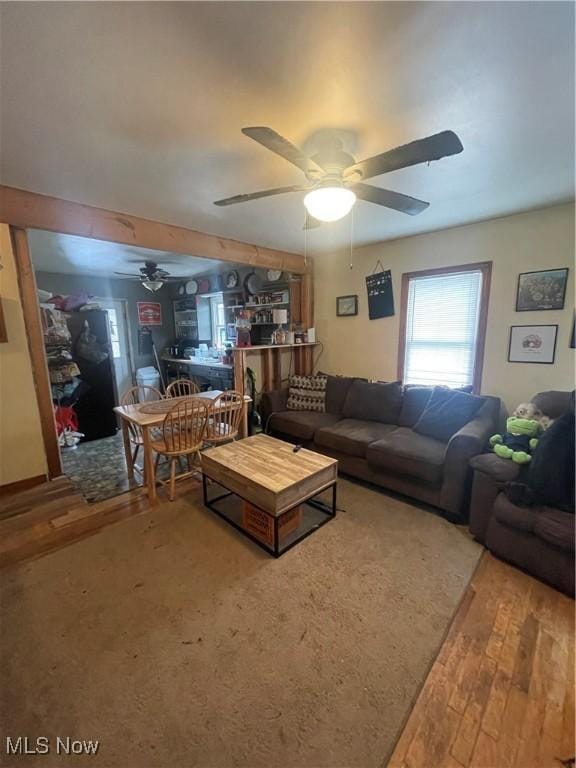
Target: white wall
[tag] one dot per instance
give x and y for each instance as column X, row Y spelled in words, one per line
column 541, row 239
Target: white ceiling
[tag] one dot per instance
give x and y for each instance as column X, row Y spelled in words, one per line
column 69, row 255
column 137, row 107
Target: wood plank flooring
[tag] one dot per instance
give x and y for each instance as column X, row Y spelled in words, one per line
column 501, row 692
column 54, row 514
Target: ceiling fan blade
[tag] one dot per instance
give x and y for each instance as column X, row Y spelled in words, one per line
column 281, row 146
column 311, row 223
column 129, row 274
column 264, row 193
column 389, row 199
column 421, row 151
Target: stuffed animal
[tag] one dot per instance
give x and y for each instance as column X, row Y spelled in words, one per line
column 519, row 440
column 528, row 411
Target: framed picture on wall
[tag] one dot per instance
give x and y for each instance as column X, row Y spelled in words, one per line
column 542, row 290
column 346, row 306
column 532, row 343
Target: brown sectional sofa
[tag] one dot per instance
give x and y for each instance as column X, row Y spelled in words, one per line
column 538, row 539
column 369, row 429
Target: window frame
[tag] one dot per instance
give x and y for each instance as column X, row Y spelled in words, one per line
column 485, row 268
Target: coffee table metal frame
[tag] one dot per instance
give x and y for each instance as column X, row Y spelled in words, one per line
column 328, row 510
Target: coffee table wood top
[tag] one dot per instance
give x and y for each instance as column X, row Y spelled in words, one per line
column 267, row 472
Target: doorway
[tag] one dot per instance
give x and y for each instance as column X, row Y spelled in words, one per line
column 120, row 343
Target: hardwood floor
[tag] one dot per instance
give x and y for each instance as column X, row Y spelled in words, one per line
column 55, row 514
column 501, row 692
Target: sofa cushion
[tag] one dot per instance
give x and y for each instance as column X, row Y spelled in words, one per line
column 336, row 391
column 300, row 424
column 446, row 412
column 556, row 528
column 554, row 403
column 368, row 401
column 406, row 452
column 415, row 400
column 352, row 436
column 507, row 513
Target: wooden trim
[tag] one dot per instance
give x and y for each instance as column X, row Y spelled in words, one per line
column 24, row 209
column 3, row 329
column 21, row 485
column 485, row 267
column 32, row 322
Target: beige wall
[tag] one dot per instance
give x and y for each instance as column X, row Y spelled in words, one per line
column 21, row 446
column 529, row 241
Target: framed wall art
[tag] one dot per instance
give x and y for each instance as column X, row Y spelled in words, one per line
column 532, row 343
column 346, row 306
column 541, row 290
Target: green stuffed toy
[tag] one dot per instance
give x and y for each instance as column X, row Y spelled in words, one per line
column 519, row 440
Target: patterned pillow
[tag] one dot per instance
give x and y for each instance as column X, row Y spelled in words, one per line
column 307, row 393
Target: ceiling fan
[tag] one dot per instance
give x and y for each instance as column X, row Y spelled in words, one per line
column 336, row 180
column 151, row 276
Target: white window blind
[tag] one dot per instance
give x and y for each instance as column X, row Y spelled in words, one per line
column 442, row 328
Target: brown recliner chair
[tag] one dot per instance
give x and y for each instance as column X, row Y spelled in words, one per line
column 540, row 540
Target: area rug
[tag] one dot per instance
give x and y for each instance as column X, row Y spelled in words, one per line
column 173, row 641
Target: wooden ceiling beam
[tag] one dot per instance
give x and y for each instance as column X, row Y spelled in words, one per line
column 29, row 210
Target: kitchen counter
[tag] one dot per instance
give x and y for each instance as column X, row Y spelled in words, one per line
column 257, row 347
column 197, row 361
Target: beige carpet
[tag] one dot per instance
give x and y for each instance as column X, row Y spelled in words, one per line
column 176, row 642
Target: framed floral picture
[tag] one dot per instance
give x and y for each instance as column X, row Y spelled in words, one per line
column 346, row 306
column 541, row 290
column 532, row 343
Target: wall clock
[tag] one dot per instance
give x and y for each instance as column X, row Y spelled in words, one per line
column 231, row 279
column 273, row 275
column 191, row 287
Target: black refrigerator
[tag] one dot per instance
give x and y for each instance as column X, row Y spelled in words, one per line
column 92, row 352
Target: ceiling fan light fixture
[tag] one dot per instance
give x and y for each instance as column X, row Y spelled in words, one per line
column 329, row 203
column 153, row 285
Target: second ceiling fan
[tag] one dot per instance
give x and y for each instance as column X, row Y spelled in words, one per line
column 335, row 180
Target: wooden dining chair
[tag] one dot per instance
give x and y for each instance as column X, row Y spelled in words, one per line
column 135, row 396
column 183, row 434
column 224, row 418
column 182, row 388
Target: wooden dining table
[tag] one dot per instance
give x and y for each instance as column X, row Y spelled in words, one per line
column 146, row 422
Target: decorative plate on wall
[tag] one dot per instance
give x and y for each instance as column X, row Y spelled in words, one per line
column 253, row 283
column 273, row 275
column 191, row 287
column 231, row 279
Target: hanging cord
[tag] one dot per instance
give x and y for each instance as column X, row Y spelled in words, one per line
column 352, row 238
column 306, row 242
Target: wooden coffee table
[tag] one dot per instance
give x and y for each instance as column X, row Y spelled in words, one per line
column 275, row 484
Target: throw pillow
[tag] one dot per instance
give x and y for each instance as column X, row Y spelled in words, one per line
column 415, row 399
column 307, row 393
column 373, row 402
column 446, row 412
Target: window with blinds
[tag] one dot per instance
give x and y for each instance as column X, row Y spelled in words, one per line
column 442, row 320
